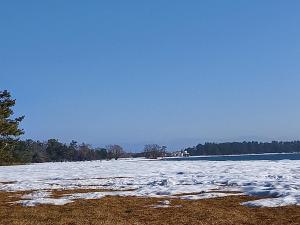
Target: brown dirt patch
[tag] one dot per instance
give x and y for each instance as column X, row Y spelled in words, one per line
column 137, row 211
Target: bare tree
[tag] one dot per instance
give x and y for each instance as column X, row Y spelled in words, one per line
column 114, row 151
column 153, row 151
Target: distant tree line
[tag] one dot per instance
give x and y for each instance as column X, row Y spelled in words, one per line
column 233, row 148
column 30, row 151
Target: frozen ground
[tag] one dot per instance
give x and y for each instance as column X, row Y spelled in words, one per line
column 208, row 179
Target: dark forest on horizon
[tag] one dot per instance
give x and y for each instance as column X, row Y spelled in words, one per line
column 236, row 148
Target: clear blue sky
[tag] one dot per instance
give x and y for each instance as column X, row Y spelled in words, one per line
column 166, row 72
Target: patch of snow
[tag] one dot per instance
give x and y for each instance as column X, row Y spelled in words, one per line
column 164, row 204
column 274, row 202
column 37, row 194
column 39, row 201
column 208, row 195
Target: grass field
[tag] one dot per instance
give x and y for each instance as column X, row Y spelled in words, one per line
column 115, row 210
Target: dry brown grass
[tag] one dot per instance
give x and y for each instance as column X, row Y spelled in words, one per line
column 138, row 211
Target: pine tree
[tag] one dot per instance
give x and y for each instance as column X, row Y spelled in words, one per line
column 9, row 128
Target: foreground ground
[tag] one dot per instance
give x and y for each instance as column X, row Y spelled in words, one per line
column 157, row 178
column 157, row 192
column 114, row 210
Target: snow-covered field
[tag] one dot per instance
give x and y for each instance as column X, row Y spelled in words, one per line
column 155, row 178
